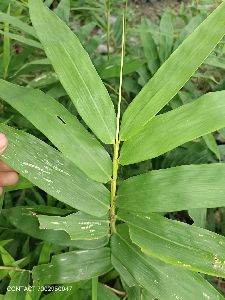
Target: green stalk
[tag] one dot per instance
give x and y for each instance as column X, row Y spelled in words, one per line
column 6, row 48
column 116, row 145
column 95, row 288
column 108, row 25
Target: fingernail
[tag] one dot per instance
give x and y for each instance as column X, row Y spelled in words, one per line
column 3, row 141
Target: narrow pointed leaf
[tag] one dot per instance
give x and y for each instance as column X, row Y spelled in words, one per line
column 174, row 189
column 63, row 130
column 15, row 22
column 79, row 226
column 163, row 281
column 51, row 171
column 25, row 220
column 23, row 40
column 188, row 29
column 174, row 128
column 73, row 266
column 6, row 48
column 166, row 36
column 63, row 10
column 174, row 73
column 177, row 243
column 149, row 46
column 75, row 70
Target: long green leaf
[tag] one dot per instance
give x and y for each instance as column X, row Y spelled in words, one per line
column 74, row 266
column 169, row 130
column 177, row 243
column 174, row 73
column 149, row 46
column 163, row 281
column 79, row 226
column 25, row 220
column 23, row 40
column 75, row 70
column 63, row 130
column 166, row 36
column 174, row 189
column 6, row 48
column 16, row 22
column 188, row 29
column 63, row 10
column 51, row 171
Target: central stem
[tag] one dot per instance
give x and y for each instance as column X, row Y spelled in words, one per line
column 116, row 146
column 113, row 186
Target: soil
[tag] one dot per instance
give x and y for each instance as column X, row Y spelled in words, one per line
column 153, row 8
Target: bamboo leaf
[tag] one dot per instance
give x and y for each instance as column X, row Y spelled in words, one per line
column 188, row 29
column 16, row 22
column 73, row 266
column 63, row 130
column 166, row 36
column 25, row 220
column 174, row 189
column 79, row 226
column 75, row 70
column 174, row 128
column 63, row 10
column 174, row 73
column 51, row 171
column 149, row 46
column 212, row 145
column 163, row 281
column 23, row 40
column 177, row 243
column 6, row 48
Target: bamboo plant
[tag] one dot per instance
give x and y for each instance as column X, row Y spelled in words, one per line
column 124, row 223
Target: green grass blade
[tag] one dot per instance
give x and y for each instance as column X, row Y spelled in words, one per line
column 74, row 266
column 175, row 128
column 174, row 189
column 76, row 71
column 15, row 22
column 52, row 172
column 163, row 281
column 79, row 226
column 22, row 39
column 174, row 73
column 177, row 243
column 166, row 36
column 6, row 48
column 63, row 130
column 149, row 46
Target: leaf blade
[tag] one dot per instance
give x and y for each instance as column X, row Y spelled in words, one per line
column 180, row 66
column 51, row 171
column 87, row 263
column 79, row 226
column 63, row 130
column 174, row 189
column 68, row 59
column 176, row 127
column 196, row 249
column 163, row 281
